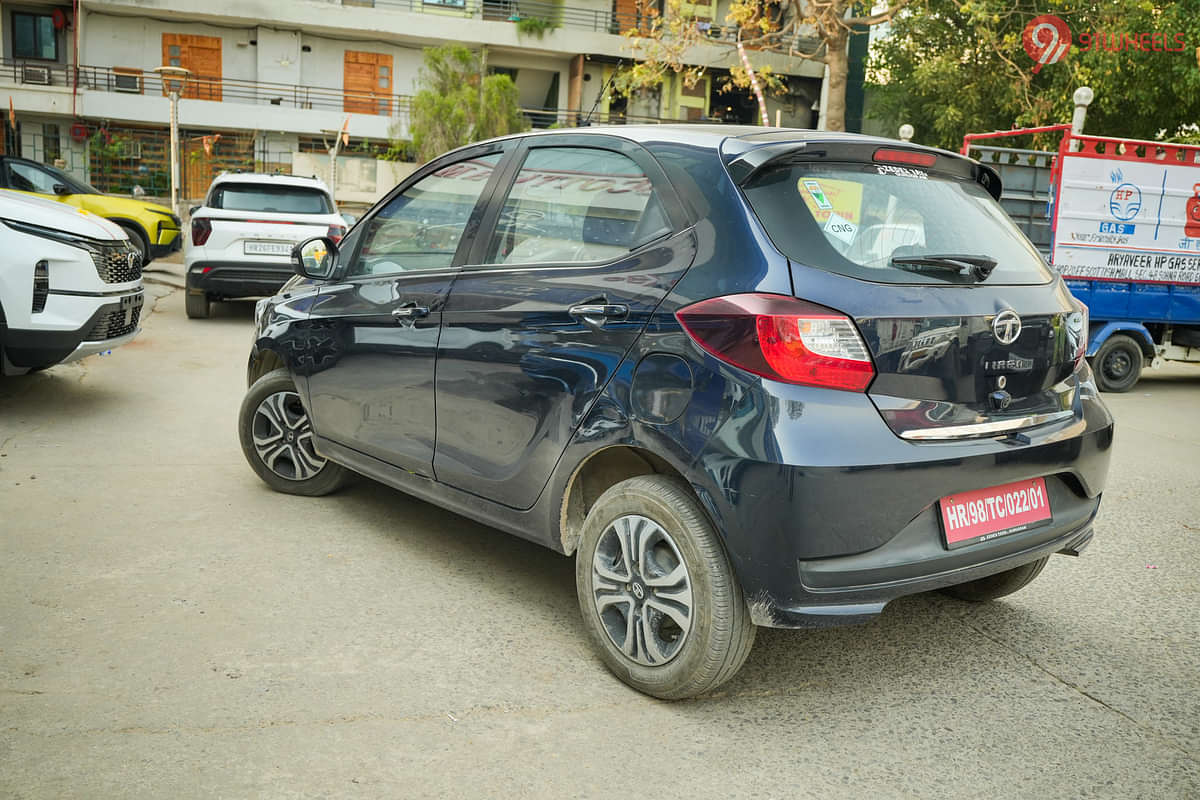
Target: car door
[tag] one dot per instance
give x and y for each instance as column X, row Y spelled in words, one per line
column 586, row 241
column 375, row 326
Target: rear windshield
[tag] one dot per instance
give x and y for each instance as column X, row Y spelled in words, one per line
column 853, row 219
column 282, row 199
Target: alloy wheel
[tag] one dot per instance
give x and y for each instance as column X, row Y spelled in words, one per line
column 283, row 437
column 642, row 590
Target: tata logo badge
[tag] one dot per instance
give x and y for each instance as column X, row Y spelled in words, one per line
column 1006, row 327
column 132, row 259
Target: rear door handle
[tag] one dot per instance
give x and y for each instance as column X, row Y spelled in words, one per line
column 598, row 315
column 409, row 312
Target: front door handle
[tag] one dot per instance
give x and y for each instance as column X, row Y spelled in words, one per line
column 409, row 313
column 598, row 315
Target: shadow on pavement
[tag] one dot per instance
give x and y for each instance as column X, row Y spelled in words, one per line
column 913, row 640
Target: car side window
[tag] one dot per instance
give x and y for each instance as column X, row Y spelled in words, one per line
column 576, row 205
column 420, row 228
column 28, row 178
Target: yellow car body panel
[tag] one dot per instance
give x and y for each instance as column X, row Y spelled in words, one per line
column 156, row 222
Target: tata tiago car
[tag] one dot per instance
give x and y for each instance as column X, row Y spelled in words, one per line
column 746, row 377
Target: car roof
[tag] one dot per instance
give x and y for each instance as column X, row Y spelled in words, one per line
column 266, row 178
column 731, row 140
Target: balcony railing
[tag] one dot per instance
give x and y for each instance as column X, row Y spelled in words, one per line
column 515, row 10
column 122, row 80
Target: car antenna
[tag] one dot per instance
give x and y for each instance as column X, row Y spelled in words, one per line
column 603, row 91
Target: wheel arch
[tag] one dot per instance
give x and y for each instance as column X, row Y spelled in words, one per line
column 597, row 472
column 1135, row 330
column 262, row 361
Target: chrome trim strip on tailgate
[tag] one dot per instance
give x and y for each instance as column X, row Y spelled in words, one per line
column 977, row 429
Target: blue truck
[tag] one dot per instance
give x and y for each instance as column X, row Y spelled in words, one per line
column 1120, row 220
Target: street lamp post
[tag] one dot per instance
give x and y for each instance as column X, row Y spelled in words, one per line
column 173, row 79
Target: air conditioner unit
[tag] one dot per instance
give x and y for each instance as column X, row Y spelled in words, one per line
column 31, row 73
column 127, row 82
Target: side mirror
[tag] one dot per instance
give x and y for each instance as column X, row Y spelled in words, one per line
column 60, row 189
column 315, row 258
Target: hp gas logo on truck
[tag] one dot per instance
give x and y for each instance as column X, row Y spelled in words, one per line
column 1006, row 327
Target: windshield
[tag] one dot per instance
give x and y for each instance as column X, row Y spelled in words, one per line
column 280, row 199
column 74, row 184
column 891, row 224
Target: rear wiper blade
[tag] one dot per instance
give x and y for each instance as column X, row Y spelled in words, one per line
column 977, row 267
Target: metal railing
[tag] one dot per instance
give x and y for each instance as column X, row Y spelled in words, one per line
column 232, row 90
column 596, row 20
column 202, row 87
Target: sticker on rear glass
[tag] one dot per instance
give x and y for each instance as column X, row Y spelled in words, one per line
column 841, row 228
column 904, row 172
column 818, row 194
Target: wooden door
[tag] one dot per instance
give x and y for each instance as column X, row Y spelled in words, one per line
column 201, row 55
column 367, row 83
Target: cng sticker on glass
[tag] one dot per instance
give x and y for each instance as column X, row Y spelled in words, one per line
column 841, row 228
column 831, row 196
column 818, row 195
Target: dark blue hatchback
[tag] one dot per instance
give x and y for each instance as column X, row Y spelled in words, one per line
column 746, row 376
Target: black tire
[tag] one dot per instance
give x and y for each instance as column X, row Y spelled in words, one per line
column 296, row 468
column 196, row 305
column 999, row 585
column 719, row 632
column 1118, row 364
column 139, row 240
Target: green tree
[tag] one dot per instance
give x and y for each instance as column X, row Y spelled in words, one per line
column 457, row 104
column 951, row 67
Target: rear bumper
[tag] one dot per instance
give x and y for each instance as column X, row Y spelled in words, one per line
column 223, row 279
column 834, row 541
column 839, row 591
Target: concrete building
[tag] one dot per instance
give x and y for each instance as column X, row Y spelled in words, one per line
column 272, row 78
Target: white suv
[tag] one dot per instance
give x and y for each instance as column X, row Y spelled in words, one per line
column 242, row 237
column 70, row 284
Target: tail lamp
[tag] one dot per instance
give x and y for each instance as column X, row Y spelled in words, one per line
column 781, row 338
column 336, row 232
column 201, row 230
column 1078, row 325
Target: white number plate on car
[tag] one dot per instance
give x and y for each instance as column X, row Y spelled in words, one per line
column 267, row 248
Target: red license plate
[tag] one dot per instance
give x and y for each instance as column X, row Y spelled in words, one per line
column 985, row 514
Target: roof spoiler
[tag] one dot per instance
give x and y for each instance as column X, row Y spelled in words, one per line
column 746, row 166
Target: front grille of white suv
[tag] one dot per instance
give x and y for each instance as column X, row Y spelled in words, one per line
column 117, row 262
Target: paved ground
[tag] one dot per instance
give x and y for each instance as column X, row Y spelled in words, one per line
column 171, row 628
